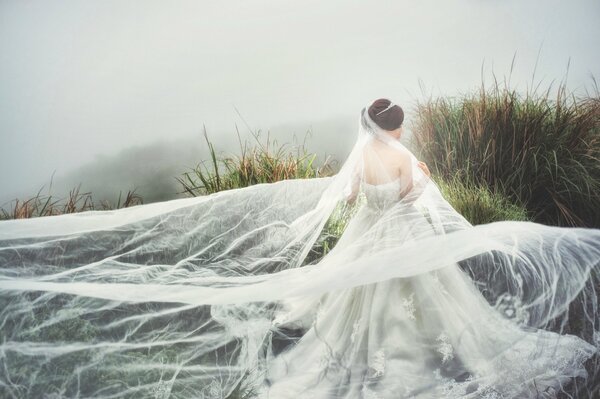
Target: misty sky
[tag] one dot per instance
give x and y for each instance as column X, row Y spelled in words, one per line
column 116, row 93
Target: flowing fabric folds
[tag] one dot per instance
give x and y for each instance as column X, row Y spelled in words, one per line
column 226, row 296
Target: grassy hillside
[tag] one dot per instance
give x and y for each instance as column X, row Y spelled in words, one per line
column 538, row 151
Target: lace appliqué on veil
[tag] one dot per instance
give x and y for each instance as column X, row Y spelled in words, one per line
column 377, row 364
column 355, row 330
column 511, row 307
column 409, row 306
column 162, row 390
column 452, row 389
column 212, row 390
column 519, row 371
column 445, row 348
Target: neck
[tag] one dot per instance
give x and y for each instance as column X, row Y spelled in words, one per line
column 387, row 138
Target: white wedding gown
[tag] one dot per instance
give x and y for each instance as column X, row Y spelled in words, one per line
column 428, row 336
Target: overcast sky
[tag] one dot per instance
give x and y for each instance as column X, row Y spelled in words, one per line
column 89, row 84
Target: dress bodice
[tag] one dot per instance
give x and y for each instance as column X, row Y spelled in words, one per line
column 382, row 196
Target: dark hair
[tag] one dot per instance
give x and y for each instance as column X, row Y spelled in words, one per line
column 388, row 120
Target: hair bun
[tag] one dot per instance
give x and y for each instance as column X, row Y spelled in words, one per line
column 388, row 120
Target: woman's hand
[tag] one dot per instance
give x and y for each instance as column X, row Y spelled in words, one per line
column 424, row 168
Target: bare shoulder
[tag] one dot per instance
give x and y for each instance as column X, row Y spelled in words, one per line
column 402, row 157
column 393, row 157
column 403, row 163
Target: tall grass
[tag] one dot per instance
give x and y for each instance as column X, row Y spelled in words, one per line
column 265, row 161
column 478, row 203
column 48, row 205
column 540, row 151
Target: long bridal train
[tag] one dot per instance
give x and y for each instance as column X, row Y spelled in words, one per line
column 218, row 296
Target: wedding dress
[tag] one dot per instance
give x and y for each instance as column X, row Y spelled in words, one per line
column 225, row 295
column 414, row 337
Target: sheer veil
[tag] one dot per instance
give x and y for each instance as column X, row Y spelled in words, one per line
column 196, row 297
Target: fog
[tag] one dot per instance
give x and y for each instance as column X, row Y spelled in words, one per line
column 116, row 95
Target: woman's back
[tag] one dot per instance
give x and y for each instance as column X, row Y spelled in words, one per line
column 384, row 164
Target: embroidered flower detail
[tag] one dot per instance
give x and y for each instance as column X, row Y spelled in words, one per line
column 450, row 388
column 409, row 306
column 490, row 393
column 445, row 348
column 512, row 308
column 378, row 363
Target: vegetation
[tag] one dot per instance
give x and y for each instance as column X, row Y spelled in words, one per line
column 333, row 229
column 265, row 162
column 539, row 152
column 46, row 205
column 478, row 203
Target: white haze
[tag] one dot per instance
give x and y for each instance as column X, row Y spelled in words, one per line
column 115, row 94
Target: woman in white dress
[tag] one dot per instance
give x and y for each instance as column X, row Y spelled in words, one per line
column 219, row 296
column 432, row 335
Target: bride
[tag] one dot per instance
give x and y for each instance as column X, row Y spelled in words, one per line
column 221, row 296
column 431, row 335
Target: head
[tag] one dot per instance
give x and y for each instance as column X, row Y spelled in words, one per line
column 389, row 119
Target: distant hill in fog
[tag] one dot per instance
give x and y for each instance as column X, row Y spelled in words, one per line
column 151, row 168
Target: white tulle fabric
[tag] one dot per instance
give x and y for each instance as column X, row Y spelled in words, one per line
column 222, row 295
